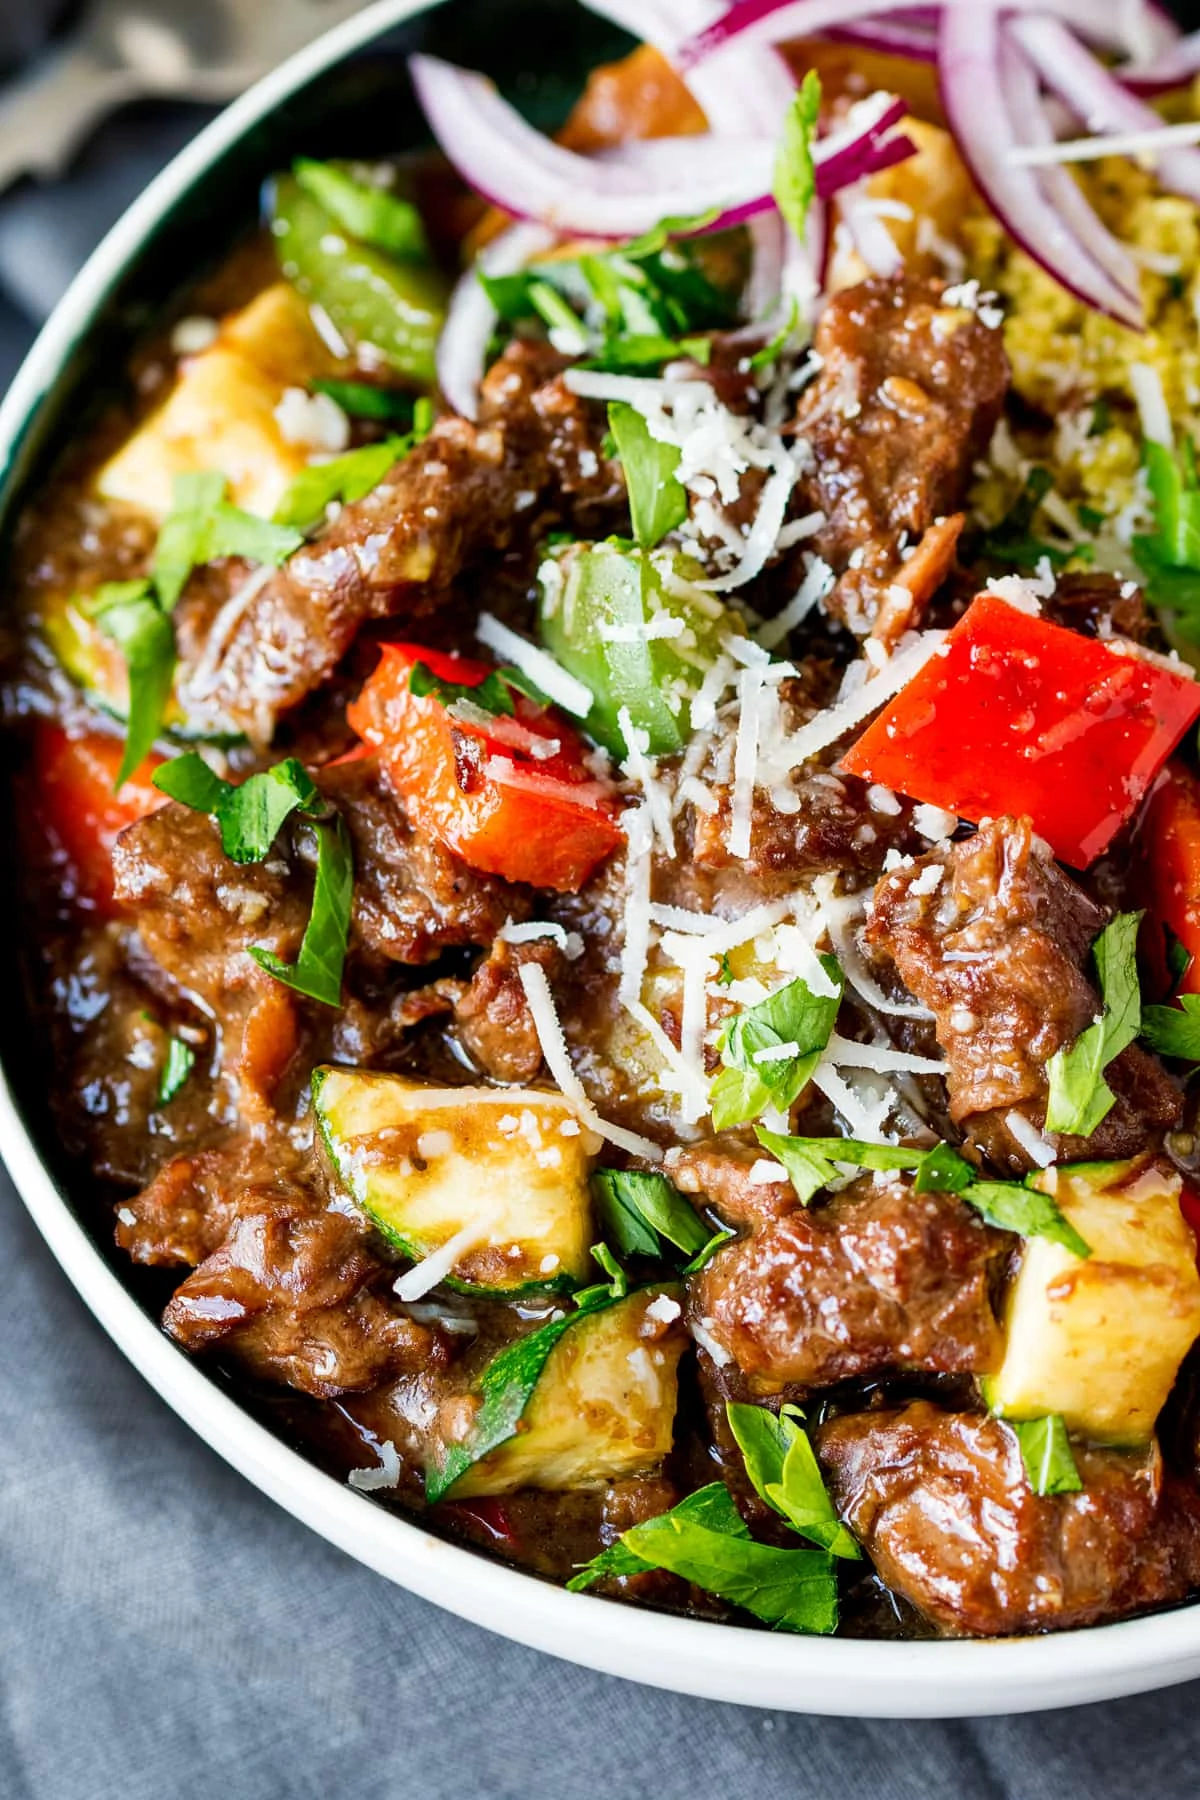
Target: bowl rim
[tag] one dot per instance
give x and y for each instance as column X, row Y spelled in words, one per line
column 839, row 1676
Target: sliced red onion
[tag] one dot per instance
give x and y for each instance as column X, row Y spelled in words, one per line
column 1098, row 99
column 1174, row 68
column 1129, row 27
column 863, row 223
column 890, row 37
column 750, row 93
column 518, row 169
column 768, row 251
column 972, row 87
column 471, row 317
column 1026, row 109
column 628, row 191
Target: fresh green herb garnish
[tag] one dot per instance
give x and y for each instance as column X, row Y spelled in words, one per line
column 792, row 1026
column 705, row 1540
column 1174, row 1030
column 250, row 815
column 1170, row 556
column 657, row 498
column 795, row 173
column 180, row 1061
column 366, row 212
column 317, row 971
column 645, row 302
column 705, row 1255
column 615, row 1288
column 811, row 1164
column 1046, row 1453
column 362, row 400
column 1012, row 1206
column 725, row 975
column 1101, row 420
column 638, row 1208
column 564, row 324
column 774, row 348
column 647, row 352
column 783, row 1468
column 1179, row 957
column 202, row 526
column 1080, row 1098
column 343, row 478
column 490, row 695
column 130, row 614
column 1012, row 540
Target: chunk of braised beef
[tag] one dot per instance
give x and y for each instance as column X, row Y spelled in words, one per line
column 880, row 1277
column 413, row 900
column 942, row 1504
column 188, row 1209
column 466, row 491
column 996, row 950
column 816, row 820
column 1100, row 605
column 292, row 1294
column 908, row 394
column 493, row 1019
column 197, row 914
column 720, row 1172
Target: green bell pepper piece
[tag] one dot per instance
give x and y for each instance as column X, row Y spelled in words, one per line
column 397, row 306
column 592, row 623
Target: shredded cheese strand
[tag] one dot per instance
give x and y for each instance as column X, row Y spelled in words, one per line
column 549, row 1029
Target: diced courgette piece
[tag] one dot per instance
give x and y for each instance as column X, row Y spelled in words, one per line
column 391, row 305
column 95, row 663
column 1100, row 1340
column 504, row 1174
column 221, row 412
column 583, row 1400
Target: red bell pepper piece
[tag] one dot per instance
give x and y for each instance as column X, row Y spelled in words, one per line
column 76, row 809
column 1169, row 873
column 513, row 797
column 1017, row 715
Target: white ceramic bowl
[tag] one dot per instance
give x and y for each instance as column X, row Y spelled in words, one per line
column 725, row 1662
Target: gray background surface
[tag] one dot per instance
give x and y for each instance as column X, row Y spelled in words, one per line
column 166, row 1633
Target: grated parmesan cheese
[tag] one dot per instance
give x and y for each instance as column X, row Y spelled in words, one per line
column 558, row 1060
column 385, row 1475
column 1038, row 1149
column 845, row 1054
column 541, row 669
column 569, row 942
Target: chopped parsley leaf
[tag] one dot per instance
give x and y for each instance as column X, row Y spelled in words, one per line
column 1080, row 1098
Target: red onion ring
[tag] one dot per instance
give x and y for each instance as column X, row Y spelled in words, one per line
column 890, row 37
column 973, row 94
column 625, row 192
column 774, row 21
column 1098, row 99
column 471, row 317
column 1027, row 109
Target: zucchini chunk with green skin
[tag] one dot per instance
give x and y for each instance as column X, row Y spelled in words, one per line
column 583, row 1400
column 97, row 666
column 1100, row 1340
column 427, row 1164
